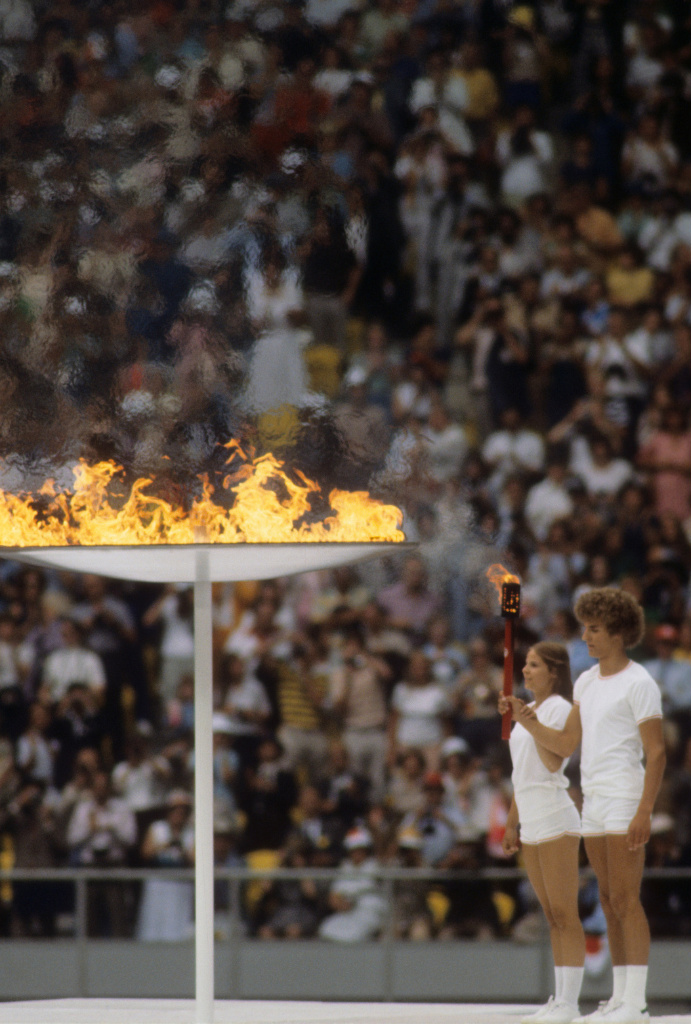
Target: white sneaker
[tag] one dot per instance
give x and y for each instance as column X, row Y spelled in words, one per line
column 560, row 1013
column 624, row 1013
column 598, row 1015
column 532, row 1018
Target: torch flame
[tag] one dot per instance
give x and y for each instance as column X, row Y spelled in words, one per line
column 266, row 506
column 498, row 575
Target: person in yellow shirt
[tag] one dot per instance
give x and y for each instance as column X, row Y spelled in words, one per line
column 594, row 225
column 628, row 282
column 482, row 90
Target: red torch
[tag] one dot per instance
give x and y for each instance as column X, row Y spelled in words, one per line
column 508, row 587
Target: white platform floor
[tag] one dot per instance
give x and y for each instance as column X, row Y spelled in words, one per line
column 182, row 1011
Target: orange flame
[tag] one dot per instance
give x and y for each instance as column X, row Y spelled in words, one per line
column 266, row 506
column 498, row 575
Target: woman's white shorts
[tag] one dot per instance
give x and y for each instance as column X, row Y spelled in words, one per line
column 607, row 814
column 565, row 822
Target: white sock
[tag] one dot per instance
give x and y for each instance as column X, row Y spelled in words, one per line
column 619, row 983
column 636, row 983
column 558, row 974
column 572, row 983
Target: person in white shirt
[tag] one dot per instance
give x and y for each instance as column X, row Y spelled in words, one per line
column 550, row 499
column 525, row 156
column 73, row 663
column 617, row 714
column 549, row 825
column 512, row 449
column 602, row 474
column 174, row 611
column 419, row 711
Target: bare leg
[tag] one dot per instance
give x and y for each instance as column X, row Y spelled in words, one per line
column 625, row 869
column 553, row 871
column 531, row 856
column 596, row 847
column 558, row 861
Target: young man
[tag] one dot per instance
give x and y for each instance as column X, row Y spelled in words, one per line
column 617, row 714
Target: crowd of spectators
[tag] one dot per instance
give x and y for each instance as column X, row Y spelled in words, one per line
column 439, row 249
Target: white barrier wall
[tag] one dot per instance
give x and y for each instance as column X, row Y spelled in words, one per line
column 246, row 969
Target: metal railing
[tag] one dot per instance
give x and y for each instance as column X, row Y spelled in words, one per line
column 76, row 965
column 239, row 877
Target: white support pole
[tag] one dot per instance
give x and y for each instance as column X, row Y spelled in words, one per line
column 204, row 806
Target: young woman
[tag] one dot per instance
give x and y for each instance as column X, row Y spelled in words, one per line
column 617, row 714
column 550, row 825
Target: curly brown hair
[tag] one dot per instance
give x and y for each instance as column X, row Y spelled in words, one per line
column 616, row 610
column 555, row 657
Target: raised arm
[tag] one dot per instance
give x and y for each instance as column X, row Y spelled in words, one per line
column 552, row 761
column 556, row 741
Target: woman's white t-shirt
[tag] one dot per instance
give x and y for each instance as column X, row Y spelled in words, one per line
column 611, row 709
column 538, row 791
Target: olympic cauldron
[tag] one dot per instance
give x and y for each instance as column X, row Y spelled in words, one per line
column 262, row 525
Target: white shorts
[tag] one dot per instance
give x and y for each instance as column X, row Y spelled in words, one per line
column 607, row 814
column 565, row 822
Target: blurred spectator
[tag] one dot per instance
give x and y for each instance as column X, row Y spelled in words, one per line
column 102, row 833
column 77, row 724
column 512, row 448
column 267, row 792
column 110, row 632
column 276, row 373
column 672, row 676
column 289, row 908
column 409, row 603
column 174, row 611
column 648, row 157
column 358, row 909
column 438, row 824
column 446, row 657
column 35, row 754
column 405, row 789
column 412, row 914
column 476, row 696
column 598, row 469
column 142, row 779
column 357, row 697
column 226, row 766
column 549, row 500
column 72, row 663
column 344, row 793
column 466, row 788
column 330, row 279
column 342, row 602
column 315, row 824
column 524, row 155
column 667, row 457
column 166, row 908
column 246, row 703
column 362, row 425
column 30, row 820
column 419, row 712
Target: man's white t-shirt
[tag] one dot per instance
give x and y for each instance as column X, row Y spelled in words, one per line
column 538, row 791
column 611, row 709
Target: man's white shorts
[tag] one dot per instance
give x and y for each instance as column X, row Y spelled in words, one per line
column 565, row 822
column 607, row 814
